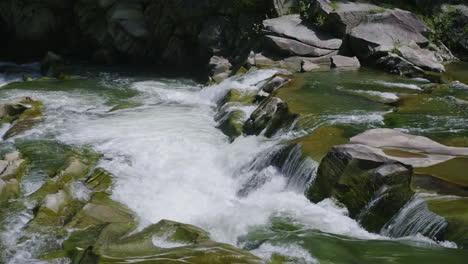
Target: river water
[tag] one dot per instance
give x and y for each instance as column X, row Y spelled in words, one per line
column 171, row 162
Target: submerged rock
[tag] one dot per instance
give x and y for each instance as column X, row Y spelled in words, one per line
column 22, row 112
column 12, row 168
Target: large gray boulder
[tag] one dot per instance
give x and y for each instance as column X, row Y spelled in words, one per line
column 385, row 31
column 293, row 27
column 341, row 16
column 393, row 63
column 422, row 58
column 291, row 47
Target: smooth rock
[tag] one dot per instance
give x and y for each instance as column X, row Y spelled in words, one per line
column 384, row 31
column 308, row 66
column 390, row 138
column 339, row 61
column 293, row 27
column 344, row 15
column 423, row 58
column 398, row 65
column 290, row 47
column 219, row 68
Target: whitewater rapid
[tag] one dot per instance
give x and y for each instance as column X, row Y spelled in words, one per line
column 171, row 162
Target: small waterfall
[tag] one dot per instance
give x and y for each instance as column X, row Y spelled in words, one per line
column 415, row 218
column 300, row 171
column 284, row 160
column 375, row 199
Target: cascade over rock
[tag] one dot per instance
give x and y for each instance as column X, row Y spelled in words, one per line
column 373, row 174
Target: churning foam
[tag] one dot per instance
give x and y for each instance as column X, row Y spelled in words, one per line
column 171, row 162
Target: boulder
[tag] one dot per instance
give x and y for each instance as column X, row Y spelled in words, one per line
column 373, row 173
column 423, row 58
column 390, row 138
column 372, row 186
column 54, row 210
column 274, row 84
column 24, row 113
column 308, row 66
column 12, row 109
column 293, row 27
column 219, row 68
column 231, row 124
column 12, row 168
column 291, row 47
column 441, row 52
column 400, row 28
column 339, row 61
column 340, row 17
column 100, row 181
column 398, row 65
column 101, row 210
column 270, row 117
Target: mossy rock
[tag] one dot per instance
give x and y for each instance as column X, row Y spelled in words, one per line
column 455, row 212
column 8, row 190
column 100, row 210
column 141, row 243
column 27, row 78
column 317, row 144
column 454, row 171
column 373, row 190
column 236, row 96
column 49, row 156
column 26, row 120
column 100, row 180
column 75, row 170
column 232, row 125
column 271, row 116
column 56, row 209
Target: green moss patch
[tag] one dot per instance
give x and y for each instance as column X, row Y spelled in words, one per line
column 454, row 170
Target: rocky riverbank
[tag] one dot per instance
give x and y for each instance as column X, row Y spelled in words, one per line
column 217, row 38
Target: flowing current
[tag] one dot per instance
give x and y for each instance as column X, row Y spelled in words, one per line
column 172, row 162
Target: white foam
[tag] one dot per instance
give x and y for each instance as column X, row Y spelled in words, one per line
column 383, row 95
column 399, row 85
